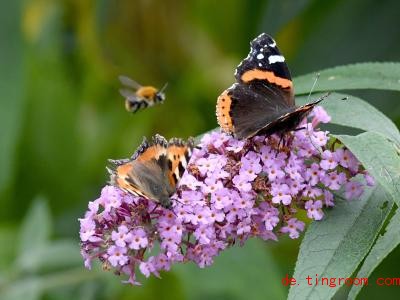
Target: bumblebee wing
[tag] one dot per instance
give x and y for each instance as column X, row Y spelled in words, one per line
column 128, row 94
column 125, row 80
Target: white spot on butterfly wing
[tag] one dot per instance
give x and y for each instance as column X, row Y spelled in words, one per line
column 273, row 45
column 260, row 56
column 275, row 58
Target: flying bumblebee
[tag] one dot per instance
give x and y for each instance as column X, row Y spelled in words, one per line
column 141, row 96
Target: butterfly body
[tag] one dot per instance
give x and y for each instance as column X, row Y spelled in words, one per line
column 154, row 169
column 138, row 96
column 262, row 99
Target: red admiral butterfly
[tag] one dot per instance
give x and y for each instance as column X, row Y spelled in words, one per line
column 262, row 99
column 153, row 170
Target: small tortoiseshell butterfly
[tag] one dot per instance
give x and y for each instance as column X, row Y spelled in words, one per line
column 154, row 169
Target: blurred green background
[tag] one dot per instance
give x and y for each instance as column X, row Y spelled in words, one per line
column 61, row 118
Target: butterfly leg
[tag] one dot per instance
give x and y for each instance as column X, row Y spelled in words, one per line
column 155, row 207
column 300, row 128
column 281, row 142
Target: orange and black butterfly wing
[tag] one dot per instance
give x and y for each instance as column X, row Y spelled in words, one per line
column 154, row 169
column 250, row 109
column 178, row 156
column 266, row 69
column 263, row 92
column 145, row 174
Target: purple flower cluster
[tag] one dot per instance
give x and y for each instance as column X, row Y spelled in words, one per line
column 232, row 190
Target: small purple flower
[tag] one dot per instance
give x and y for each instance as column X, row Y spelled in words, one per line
column 314, row 174
column 328, row 198
column 117, row 256
column 320, row 116
column 221, row 199
column 369, row 179
column 250, row 167
column 333, row 180
column 192, row 198
column 211, row 185
column 204, row 234
column 274, row 172
column 138, row 239
column 293, row 173
column 241, row 183
column 293, row 227
column 281, row 194
column 190, row 181
column 319, row 138
column 169, row 245
column 328, row 161
column 93, row 208
column 201, row 215
column 235, row 145
column 269, row 215
column 353, row 190
column 122, row 236
column 314, row 210
column 87, row 231
column 267, row 156
column 145, row 268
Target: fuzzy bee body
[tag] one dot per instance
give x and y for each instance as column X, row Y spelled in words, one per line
column 141, row 96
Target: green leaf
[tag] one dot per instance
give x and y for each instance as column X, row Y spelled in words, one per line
column 12, row 74
column 385, row 244
column 379, row 157
column 235, row 274
column 55, row 255
column 8, row 247
column 335, row 246
column 36, row 227
column 381, row 76
column 34, row 287
column 27, row 289
column 357, row 113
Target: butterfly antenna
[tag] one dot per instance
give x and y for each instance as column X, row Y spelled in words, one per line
column 179, row 201
column 309, row 132
column 110, row 171
column 313, row 86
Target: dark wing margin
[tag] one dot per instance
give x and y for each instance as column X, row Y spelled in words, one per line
column 265, row 64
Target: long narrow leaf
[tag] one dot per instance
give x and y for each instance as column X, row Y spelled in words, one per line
column 379, row 157
column 357, row 113
column 334, row 247
column 385, row 244
column 381, row 76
